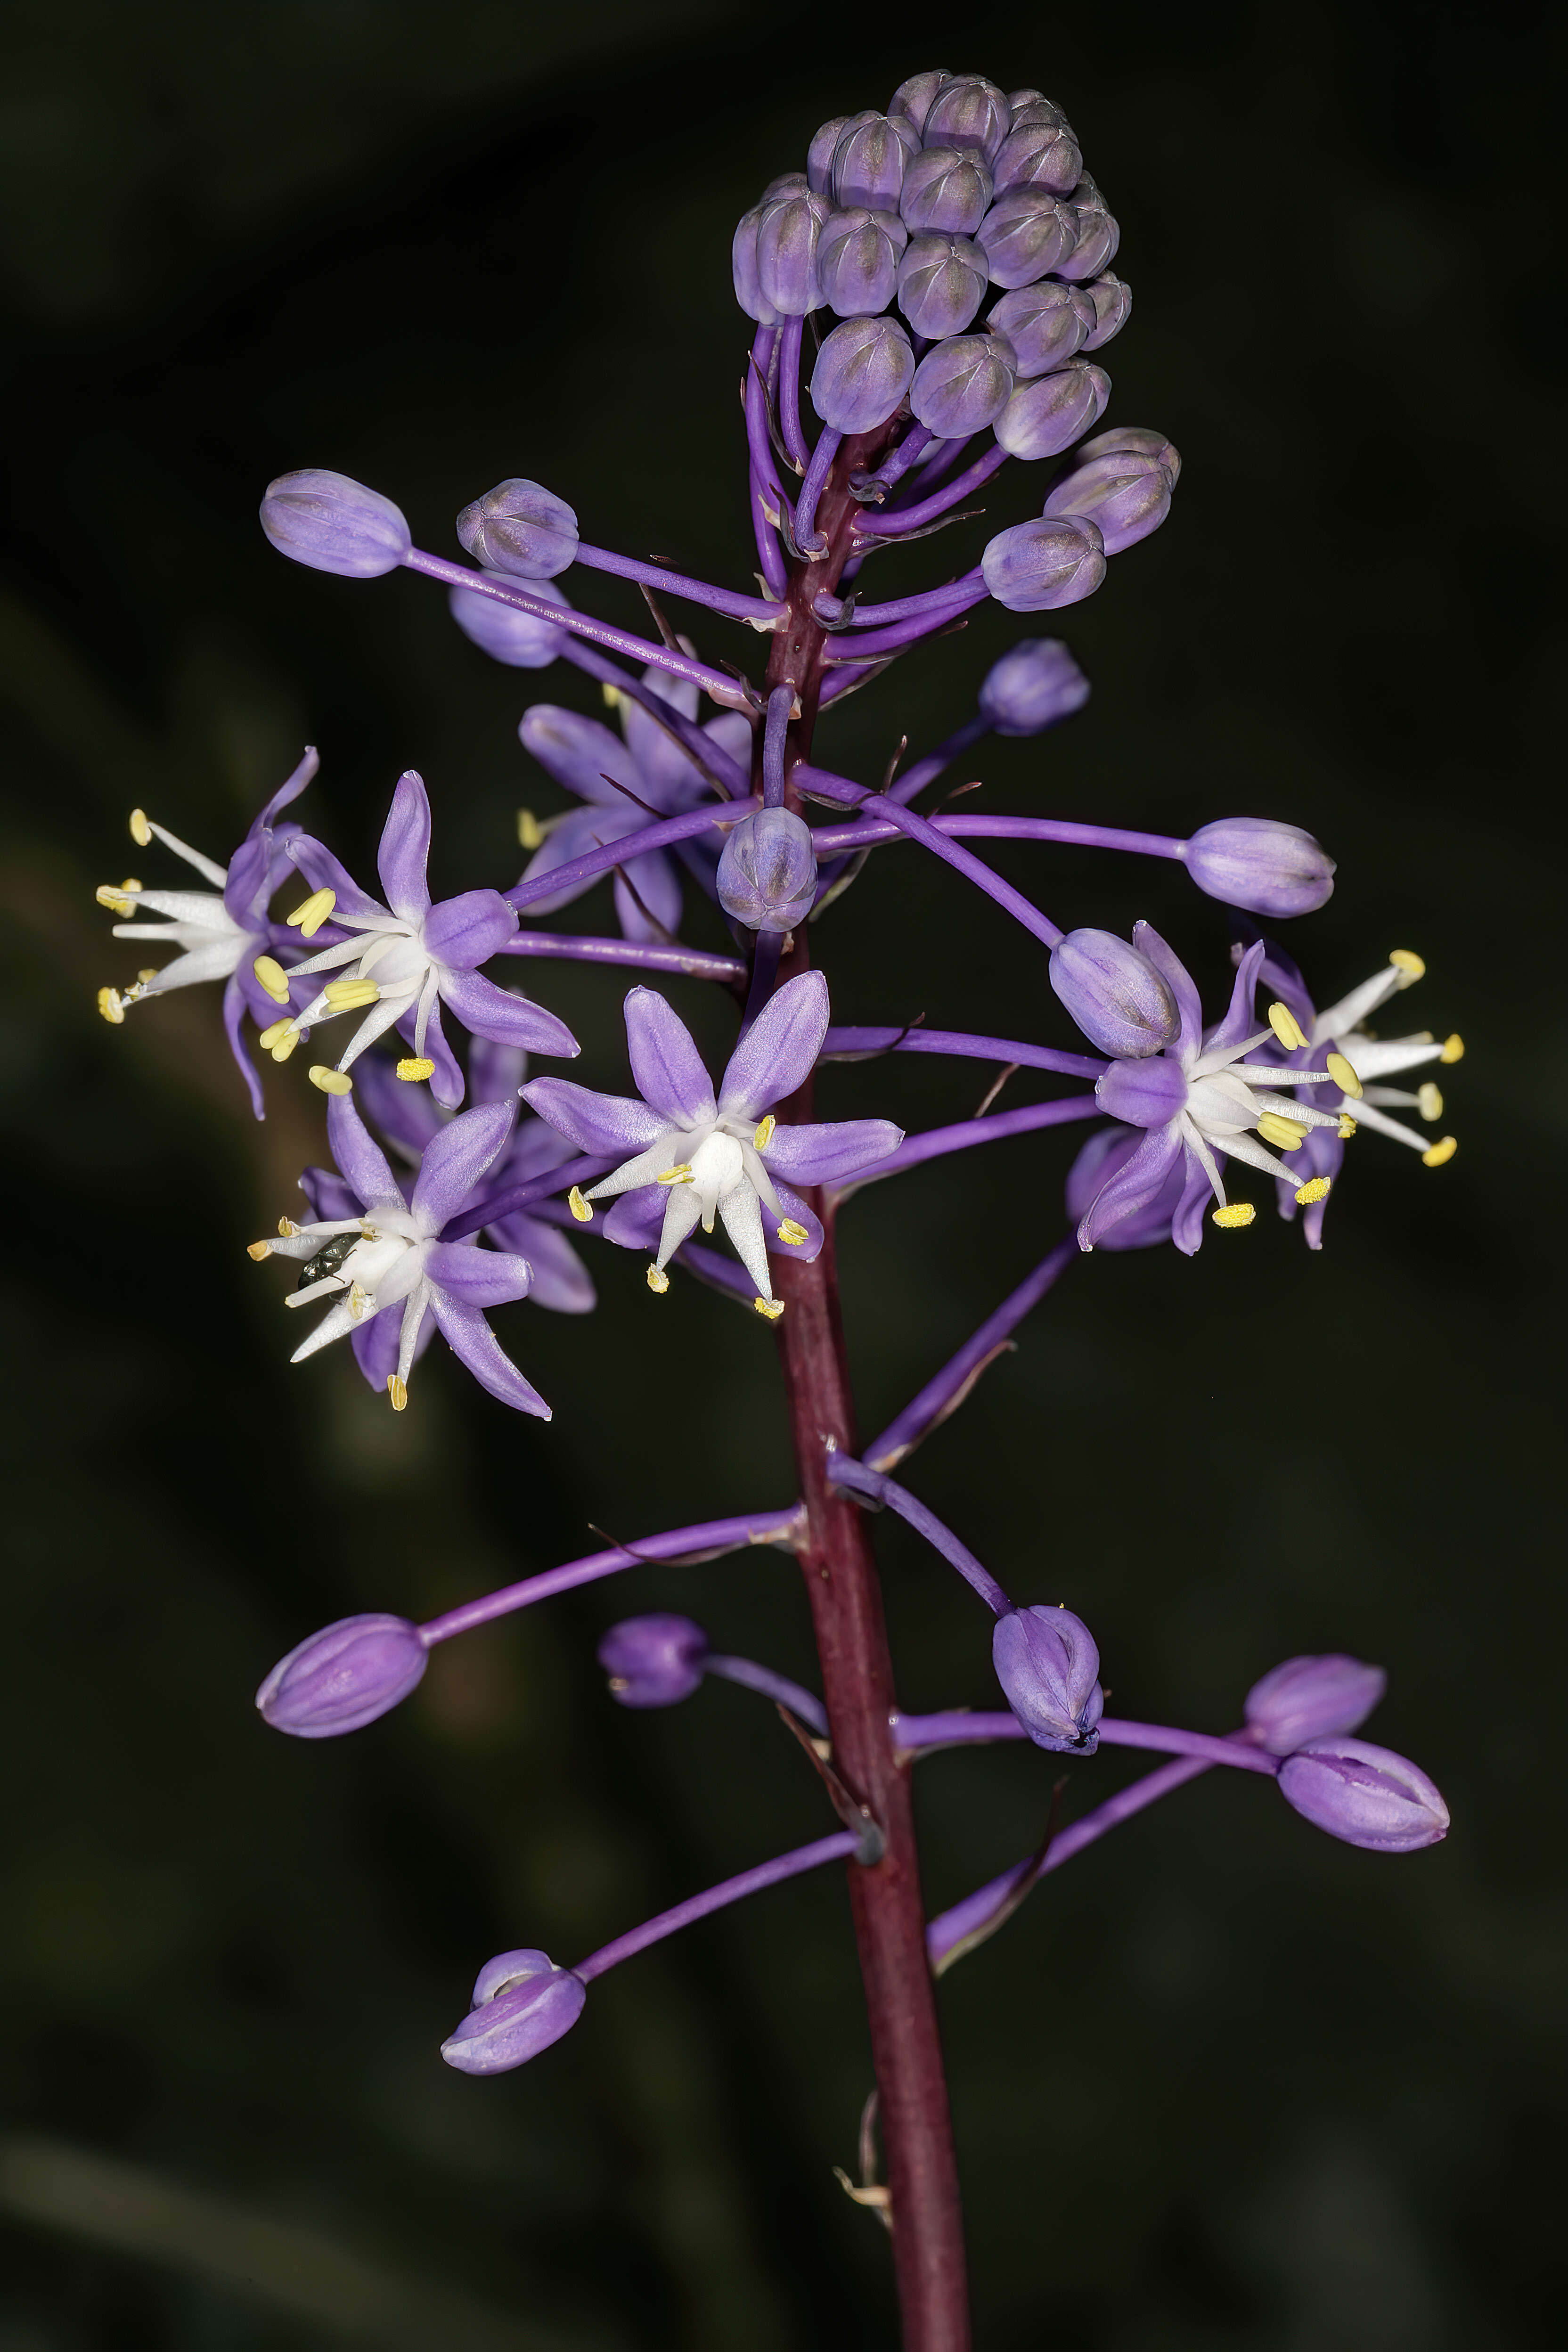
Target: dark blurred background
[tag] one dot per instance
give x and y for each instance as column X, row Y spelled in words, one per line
column 1222, row 2084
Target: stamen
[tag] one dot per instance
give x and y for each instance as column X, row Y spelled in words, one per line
column 119, row 901
column 1285, row 1134
column 270, row 1035
column 612, row 695
column 140, row 831
column 273, row 978
column 287, row 1229
column 1287, row 1028
column 765, row 1134
column 398, row 1391
column 259, row 1250
column 679, row 1174
column 1452, row 1050
column 286, row 1043
column 1347, row 1126
column 112, row 1007
column 350, row 995
column 359, row 1299
column 1343, row 1075
column 578, row 1206
column 658, row 1281
column 308, row 919
column 148, row 971
column 1429, row 1102
column 770, row 1309
column 1234, row 1214
column 415, row 1067
column 1405, row 961
column 1317, row 1189
column 528, row 830
column 331, row 1082
column 792, row 1233
column 1441, row 1152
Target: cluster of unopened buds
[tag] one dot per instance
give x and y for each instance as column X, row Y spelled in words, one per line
column 485, row 1181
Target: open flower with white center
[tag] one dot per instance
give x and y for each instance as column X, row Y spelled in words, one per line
column 693, row 1157
column 1200, row 1107
column 380, row 1260
column 1340, row 1038
column 406, row 959
column 222, row 933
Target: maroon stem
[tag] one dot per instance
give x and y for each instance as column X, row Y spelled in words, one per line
column 851, row 1637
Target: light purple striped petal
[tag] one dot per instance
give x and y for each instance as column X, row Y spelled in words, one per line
column 561, row 1280
column 330, row 1196
column 457, row 1160
column 635, row 1219
column 1283, row 977
column 581, row 753
column 779, row 1050
column 405, row 850
column 323, row 871
column 406, row 1114
column 477, row 1277
column 495, row 1012
column 1133, row 1185
column 656, row 878
column 1187, row 1223
column 823, row 1151
column 578, row 832
column 470, row 1339
column 668, row 1070
column 495, row 1071
column 446, row 1082
column 468, row 930
column 361, row 1161
column 667, row 778
column 1239, row 1022
column 235, row 1005
column 1166, row 961
column 535, row 1147
column 378, row 1343
column 594, row 1122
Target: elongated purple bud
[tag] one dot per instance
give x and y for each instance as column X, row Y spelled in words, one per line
column 942, row 283
column 1048, row 415
column 654, row 1661
column 912, row 98
column 857, row 261
column 1365, row 1795
column 1038, row 567
column 507, row 636
column 968, row 111
column 343, row 1677
column 945, row 193
column 1313, row 1698
column 1049, row 1666
column 1148, row 1222
column 963, row 384
column 1113, row 299
column 1120, row 1000
column 1046, row 324
column 1025, row 235
column 743, row 271
column 870, row 160
column 334, row 524
column 523, row 2002
column 1128, row 496
column 1098, row 235
column 862, row 372
column 1031, row 688
column 767, row 872
column 1254, row 863
column 1145, row 1093
column 820, row 154
column 1135, row 440
column 787, row 233
column 521, row 528
column 1039, row 151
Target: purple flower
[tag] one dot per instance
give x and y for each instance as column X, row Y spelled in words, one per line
column 654, row 1661
column 334, row 524
column 1045, row 416
column 621, row 781
column 767, row 874
column 1103, row 1157
column 222, row 933
column 343, row 1677
column 945, row 193
column 1031, row 686
column 1048, row 1664
column 1037, row 567
column 963, row 384
column 523, row 2002
column 1263, row 866
column 519, row 639
column 1313, row 1698
column 521, row 528
column 693, row 1158
column 372, row 1250
column 1119, row 998
column 409, row 958
column 861, row 375
column 1366, row 1795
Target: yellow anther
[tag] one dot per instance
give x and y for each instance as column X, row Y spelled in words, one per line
column 140, row 831
column 1287, row 1028
column 612, row 695
column 1285, row 1134
column 1441, row 1151
column 148, row 971
column 350, row 995
column 287, row 1229
column 331, row 1082
column 1429, row 1102
column 792, row 1233
column 1343, row 1075
column 110, row 1006
column 273, row 978
column 398, row 1391
column 117, row 901
column 1316, row 1190
column 765, row 1134
column 1405, row 961
column 1347, row 1126
column 285, row 1044
column 530, row 832
column 270, row 1035
column 658, row 1281
column 308, row 919
column 415, row 1067
column 771, row 1308
column 1234, row 1214
column 578, row 1206
column 679, row 1174
column 259, row 1250
column 359, row 1299
column 1453, row 1049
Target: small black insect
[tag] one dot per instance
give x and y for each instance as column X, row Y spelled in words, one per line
column 328, row 1260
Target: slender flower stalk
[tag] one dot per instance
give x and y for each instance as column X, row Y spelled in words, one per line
column 962, row 1728
column 947, row 1389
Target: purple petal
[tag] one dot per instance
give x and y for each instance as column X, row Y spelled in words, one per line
column 447, row 1081
column 1187, row 1223
column 794, row 1206
column 779, row 1050
column 361, row 1161
column 731, row 731
column 323, row 871
column 656, row 878
column 826, row 1150
column 594, row 1122
column 1239, row 1021
column 235, row 1007
column 581, row 753
column 470, row 1339
column 535, row 1147
column 561, row 1280
column 405, row 1113
column 506, row 1019
column 1147, row 940
column 468, row 930
column 458, row 1159
column 251, row 865
column 405, row 850
column 495, row 1071
column 666, row 776
column 477, row 1277
column 635, row 1219
column 377, row 1344
column 1279, row 974
column 331, row 1198
column 1134, row 1184
column 579, row 831
column 668, row 1070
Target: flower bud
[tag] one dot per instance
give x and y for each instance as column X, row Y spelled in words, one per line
column 1143, row 1093
column 1039, row 151
column 869, row 163
column 519, row 639
column 1256, row 864
column 1366, row 1795
column 334, row 524
column 945, row 193
column 1128, row 496
column 971, row 112
column 1046, row 324
column 767, row 872
column 942, row 282
column 1098, row 235
column 743, row 270
column 857, row 261
column 523, row 2002
column 343, row 1676
column 1048, row 1665
column 787, row 231
column 862, row 373
column 1313, row 1698
column 1147, row 1222
column 819, row 154
column 1112, row 300
column 1046, row 417
column 1134, row 440
column 912, row 98
column 1120, row 1000
column 1031, row 688
column 652, row 1661
column 521, row 528
column 1024, row 234
column 1037, row 567
column 963, row 384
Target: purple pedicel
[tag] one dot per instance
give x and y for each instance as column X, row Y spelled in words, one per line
column 996, row 1127
column 519, row 527
column 778, row 1687
column 1313, row 1698
column 845, row 1845
column 343, row 1677
column 871, row 1486
column 859, row 1045
column 1048, row 1664
column 334, row 524
column 1264, row 866
column 964, row 1727
column 1120, row 1001
column 893, row 522
column 832, row 838
column 654, row 1661
column 920, row 829
column 1032, row 687
column 1365, row 1795
column 519, row 639
column 947, row 1390
column 523, row 2002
